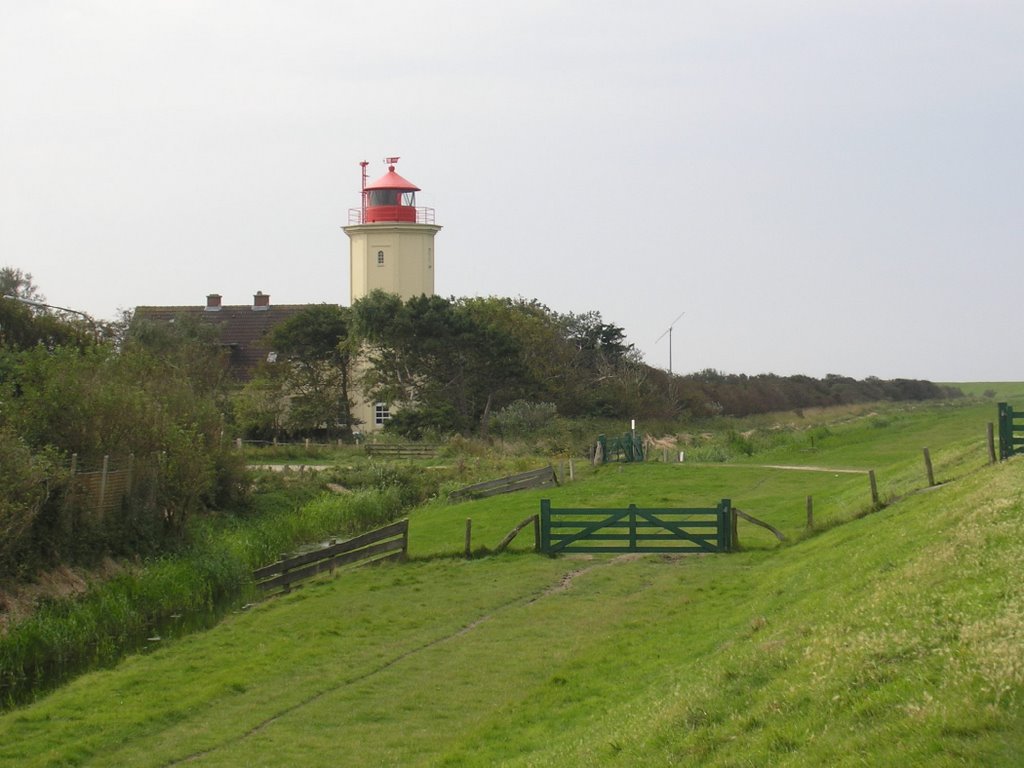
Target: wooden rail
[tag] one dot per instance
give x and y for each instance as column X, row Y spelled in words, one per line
column 402, row 450
column 535, row 478
column 778, row 534
column 388, row 543
column 535, row 519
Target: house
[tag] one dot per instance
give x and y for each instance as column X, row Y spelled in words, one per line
column 242, row 328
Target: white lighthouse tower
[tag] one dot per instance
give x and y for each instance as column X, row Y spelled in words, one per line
column 391, row 240
column 391, row 248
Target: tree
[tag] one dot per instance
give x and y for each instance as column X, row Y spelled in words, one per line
column 14, row 282
column 317, row 348
column 153, row 402
column 261, row 406
column 25, row 485
column 25, row 321
column 430, row 357
column 545, row 359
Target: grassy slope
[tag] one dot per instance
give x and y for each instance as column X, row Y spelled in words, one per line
column 895, row 639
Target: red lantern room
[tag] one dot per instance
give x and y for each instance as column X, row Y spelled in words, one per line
column 389, row 198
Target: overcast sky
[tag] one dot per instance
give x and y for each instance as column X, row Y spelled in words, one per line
column 821, row 186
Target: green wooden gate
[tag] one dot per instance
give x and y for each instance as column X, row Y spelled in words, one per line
column 1011, row 431
column 636, row 530
column 629, row 447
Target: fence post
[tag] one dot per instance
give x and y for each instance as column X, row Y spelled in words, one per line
column 71, row 493
column 928, row 468
column 734, row 545
column 724, row 525
column 103, row 485
column 810, row 513
column 1005, row 430
column 545, row 525
column 284, row 570
column 572, row 474
column 991, row 444
column 469, row 537
column 632, row 527
column 874, row 488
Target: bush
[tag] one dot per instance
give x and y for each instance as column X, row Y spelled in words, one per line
column 154, row 409
column 26, row 483
column 523, row 418
column 740, row 443
column 409, row 482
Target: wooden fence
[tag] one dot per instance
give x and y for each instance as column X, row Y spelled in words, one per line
column 388, row 543
column 1011, row 432
column 99, row 491
column 402, row 450
column 636, row 530
column 535, row 478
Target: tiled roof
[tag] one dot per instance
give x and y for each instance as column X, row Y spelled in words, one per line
column 242, row 328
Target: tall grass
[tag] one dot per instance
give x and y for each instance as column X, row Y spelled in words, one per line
column 174, row 594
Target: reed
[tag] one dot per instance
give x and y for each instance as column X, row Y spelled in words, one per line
column 172, row 595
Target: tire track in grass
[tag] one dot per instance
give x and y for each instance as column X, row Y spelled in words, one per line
column 564, row 583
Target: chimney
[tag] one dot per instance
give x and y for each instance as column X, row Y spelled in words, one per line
column 261, row 301
column 213, row 302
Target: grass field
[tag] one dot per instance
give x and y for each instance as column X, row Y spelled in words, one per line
column 890, row 638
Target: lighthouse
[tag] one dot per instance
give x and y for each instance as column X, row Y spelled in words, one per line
column 391, row 239
column 391, row 249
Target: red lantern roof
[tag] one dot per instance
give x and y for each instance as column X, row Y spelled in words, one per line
column 392, row 180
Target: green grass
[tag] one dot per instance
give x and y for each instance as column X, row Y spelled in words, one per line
column 896, row 638
column 179, row 593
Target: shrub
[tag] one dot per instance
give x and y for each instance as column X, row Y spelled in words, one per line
column 523, row 418
column 25, row 487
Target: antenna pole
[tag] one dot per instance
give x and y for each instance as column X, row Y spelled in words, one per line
column 362, row 194
column 669, row 334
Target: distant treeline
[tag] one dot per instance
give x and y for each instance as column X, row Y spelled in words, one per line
column 497, row 365
column 710, row 392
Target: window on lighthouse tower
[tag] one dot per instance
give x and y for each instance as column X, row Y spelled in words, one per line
column 380, row 258
column 384, row 197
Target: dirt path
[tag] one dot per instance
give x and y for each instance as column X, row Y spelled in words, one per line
column 295, row 467
column 793, row 467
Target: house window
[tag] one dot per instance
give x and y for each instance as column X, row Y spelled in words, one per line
column 380, row 258
column 381, row 413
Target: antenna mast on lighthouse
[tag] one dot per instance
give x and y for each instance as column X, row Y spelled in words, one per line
column 362, row 194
